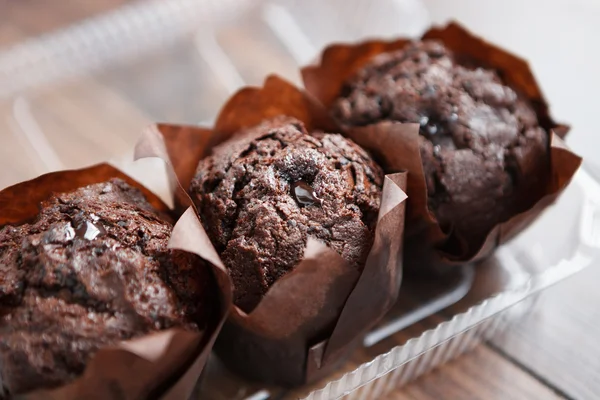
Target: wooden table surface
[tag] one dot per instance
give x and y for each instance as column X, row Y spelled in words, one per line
column 555, row 353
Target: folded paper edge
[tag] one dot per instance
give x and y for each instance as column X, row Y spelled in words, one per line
column 392, row 193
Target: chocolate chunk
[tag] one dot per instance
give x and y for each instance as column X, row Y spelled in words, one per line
column 304, row 194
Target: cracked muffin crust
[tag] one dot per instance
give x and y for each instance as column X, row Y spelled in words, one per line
column 484, row 155
column 92, row 270
column 262, row 193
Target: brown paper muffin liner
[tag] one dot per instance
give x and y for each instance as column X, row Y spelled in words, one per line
column 427, row 245
column 311, row 318
column 163, row 364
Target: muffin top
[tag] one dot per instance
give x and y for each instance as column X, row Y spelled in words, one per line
column 261, row 193
column 479, row 139
column 93, row 269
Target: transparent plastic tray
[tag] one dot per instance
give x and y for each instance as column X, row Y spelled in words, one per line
column 83, row 94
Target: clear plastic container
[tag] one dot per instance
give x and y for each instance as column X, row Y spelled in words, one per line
column 82, row 95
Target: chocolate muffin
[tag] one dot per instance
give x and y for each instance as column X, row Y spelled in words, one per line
column 263, row 192
column 484, row 155
column 92, row 270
